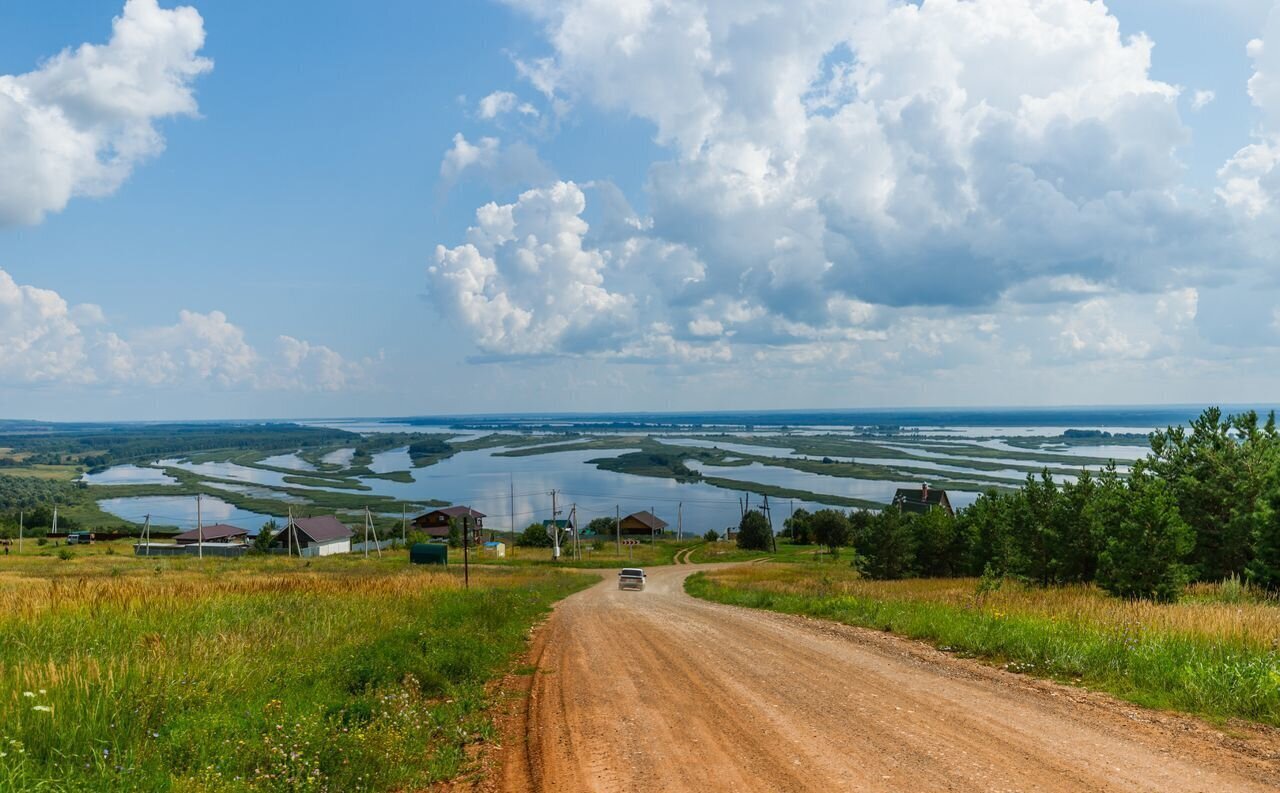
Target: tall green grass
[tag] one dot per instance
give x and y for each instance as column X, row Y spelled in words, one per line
column 1210, row 658
column 253, row 674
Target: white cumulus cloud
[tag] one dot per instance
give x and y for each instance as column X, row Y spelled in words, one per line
column 1202, row 99
column 80, row 123
column 490, row 160
column 40, row 340
column 525, row 285
column 496, row 104
column 43, row 339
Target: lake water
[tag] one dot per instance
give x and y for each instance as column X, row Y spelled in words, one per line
column 340, row 457
column 879, row 491
column 129, row 475
column 391, row 461
column 737, row 448
column 240, row 473
column 180, row 511
column 486, row 481
column 956, row 461
column 291, row 460
column 254, row 491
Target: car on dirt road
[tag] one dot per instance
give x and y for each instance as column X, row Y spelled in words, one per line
column 631, row 578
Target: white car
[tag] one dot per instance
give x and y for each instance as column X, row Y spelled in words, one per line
column 631, row 578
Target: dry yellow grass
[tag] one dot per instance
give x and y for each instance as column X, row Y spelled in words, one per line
column 1203, row 614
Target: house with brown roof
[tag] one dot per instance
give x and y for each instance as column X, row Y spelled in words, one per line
column 922, row 499
column 436, row 522
column 218, row 532
column 321, row 536
column 644, row 522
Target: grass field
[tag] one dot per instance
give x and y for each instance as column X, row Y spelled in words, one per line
column 64, row 473
column 729, row 552
column 1217, row 653
column 261, row 674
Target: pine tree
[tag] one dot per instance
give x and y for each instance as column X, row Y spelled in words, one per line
column 1145, row 543
column 1264, row 568
column 890, row 550
column 935, row 533
column 1077, row 558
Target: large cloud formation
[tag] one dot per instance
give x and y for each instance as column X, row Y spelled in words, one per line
column 78, row 124
column 45, row 340
column 873, row 183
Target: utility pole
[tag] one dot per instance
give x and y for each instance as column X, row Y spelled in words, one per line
column 368, row 527
column 21, row 516
column 289, row 535
column 573, row 519
column 653, row 530
column 404, row 524
column 146, row 537
column 680, row 522
column 466, row 557
column 555, row 528
column 617, row 526
column 773, row 538
column 55, row 519
column 199, row 530
column 511, row 482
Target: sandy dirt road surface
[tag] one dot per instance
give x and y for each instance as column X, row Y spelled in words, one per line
column 658, row 691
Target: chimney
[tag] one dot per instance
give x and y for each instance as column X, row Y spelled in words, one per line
column 924, row 492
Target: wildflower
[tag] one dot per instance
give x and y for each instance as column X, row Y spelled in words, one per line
column 43, row 692
column 42, row 708
column 28, row 693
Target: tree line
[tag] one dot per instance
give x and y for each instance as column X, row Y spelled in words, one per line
column 1203, row 505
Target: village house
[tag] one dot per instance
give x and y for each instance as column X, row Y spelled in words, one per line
column 644, row 522
column 218, row 532
column 921, row 500
column 322, row 536
column 562, row 524
column 436, row 522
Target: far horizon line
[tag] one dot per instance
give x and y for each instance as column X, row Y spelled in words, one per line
column 1173, row 407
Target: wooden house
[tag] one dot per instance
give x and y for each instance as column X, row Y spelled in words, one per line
column 436, row 522
column 644, row 522
column 922, row 499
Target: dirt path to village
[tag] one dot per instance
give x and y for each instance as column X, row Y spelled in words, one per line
column 657, row 691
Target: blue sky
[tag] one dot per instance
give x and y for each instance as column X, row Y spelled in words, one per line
column 691, row 200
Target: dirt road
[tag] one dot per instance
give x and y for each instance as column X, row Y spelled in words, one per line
column 657, row 691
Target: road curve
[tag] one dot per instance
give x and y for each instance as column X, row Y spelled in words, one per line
column 658, row 691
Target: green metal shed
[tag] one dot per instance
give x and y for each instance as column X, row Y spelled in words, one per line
column 429, row 553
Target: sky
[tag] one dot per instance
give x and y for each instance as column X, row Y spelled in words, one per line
column 222, row 209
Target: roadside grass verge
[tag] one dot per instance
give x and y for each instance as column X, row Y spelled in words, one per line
column 1216, row 654
column 787, row 552
column 606, row 556
column 262, row 674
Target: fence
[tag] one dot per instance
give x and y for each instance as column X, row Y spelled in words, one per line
column 381, row 545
